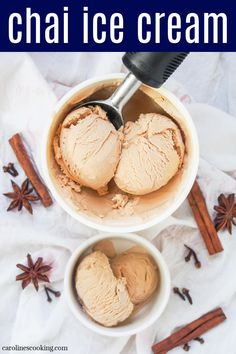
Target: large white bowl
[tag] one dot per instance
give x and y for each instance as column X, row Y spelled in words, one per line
column 186, row 184
column 148, row 314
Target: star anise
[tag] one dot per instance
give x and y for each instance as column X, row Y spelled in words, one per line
column 34, row 273
column 226, row 212
column 22, row 196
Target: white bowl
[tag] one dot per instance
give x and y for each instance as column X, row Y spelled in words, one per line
column 156, row 217
column 142, row 319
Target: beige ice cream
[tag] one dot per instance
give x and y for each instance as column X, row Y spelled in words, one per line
column 140, row 272
column 153, row 152
column 105, row 246
column 104, row 297
column 149, row 156
column 111, row 286
column 87, row 148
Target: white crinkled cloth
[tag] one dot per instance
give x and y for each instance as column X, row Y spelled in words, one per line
column 26, row 318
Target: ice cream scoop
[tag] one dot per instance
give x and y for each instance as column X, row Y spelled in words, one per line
column 88, row 148
column 150, row 68
column 140, row 272
column 104, row 297
column 152, row 153
column 106, row 247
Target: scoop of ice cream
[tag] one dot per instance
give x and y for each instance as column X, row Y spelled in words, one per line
column 104, row 297
column 106, row 247
column 152, row 154
column 140, row 272
column 90, row 147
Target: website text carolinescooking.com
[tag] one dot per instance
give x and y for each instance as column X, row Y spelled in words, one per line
column 34, row 348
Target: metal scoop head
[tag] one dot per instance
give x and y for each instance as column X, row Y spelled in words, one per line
column 149, row 68
column 113, row 106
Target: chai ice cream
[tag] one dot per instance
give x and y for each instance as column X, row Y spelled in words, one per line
column 110, row 288
column 152, row 154
column 104, row 297
column 144, row 158
column 88, row 148
column 126, row 177
column 140, row 272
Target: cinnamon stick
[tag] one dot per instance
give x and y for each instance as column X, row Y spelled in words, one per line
column 203, row 219
column 30, row 169
column 190, row 331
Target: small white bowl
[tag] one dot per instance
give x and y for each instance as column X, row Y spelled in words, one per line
column 142, row 319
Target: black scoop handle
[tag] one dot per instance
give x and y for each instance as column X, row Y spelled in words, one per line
column 153, row 68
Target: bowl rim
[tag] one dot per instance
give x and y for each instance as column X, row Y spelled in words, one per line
column 115, row 331
column 86, row 220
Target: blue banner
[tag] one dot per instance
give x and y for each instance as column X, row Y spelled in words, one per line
column 124, row 25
